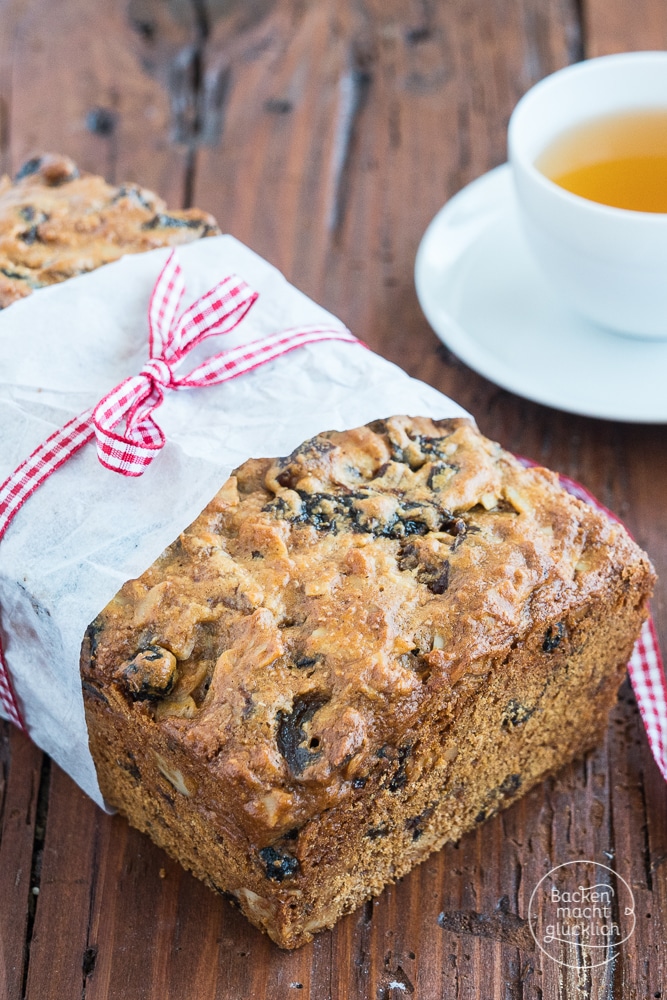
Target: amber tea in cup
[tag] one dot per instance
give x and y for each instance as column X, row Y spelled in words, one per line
column 588, row 150
column 617, row 159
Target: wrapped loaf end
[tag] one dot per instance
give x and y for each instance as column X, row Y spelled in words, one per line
column 57, row 222
column 353, row 655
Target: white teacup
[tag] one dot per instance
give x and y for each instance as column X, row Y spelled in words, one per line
column 610, row 264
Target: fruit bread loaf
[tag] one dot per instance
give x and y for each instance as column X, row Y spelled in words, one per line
column 56, row 222
column 353, row 655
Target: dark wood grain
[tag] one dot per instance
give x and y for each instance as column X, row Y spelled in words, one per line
column 68, row 860
column 327, row 136
column 21, row 836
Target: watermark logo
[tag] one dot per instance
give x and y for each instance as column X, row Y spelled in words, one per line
column 580, row 913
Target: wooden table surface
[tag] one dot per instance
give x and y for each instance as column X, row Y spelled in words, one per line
column 326, row 135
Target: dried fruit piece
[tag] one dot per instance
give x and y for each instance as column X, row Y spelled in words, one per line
column 553, row 637
column 278, row 865
column 149, row 675
column 292, row 738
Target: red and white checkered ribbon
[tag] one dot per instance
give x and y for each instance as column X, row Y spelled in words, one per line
column 126, row 433
column 645, row 668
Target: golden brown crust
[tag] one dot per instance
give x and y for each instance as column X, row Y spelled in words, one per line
column 322, row 604
column 354, row 654
column 56, row 222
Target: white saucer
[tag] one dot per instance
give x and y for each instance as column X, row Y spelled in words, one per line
column 487, row 301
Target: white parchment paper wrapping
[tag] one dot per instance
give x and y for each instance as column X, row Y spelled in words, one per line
column 86, row 530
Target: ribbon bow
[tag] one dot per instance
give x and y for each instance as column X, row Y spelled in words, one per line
column 172, row 335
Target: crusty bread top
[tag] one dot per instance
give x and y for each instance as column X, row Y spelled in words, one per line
column 56, row 222
column 323, row 604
